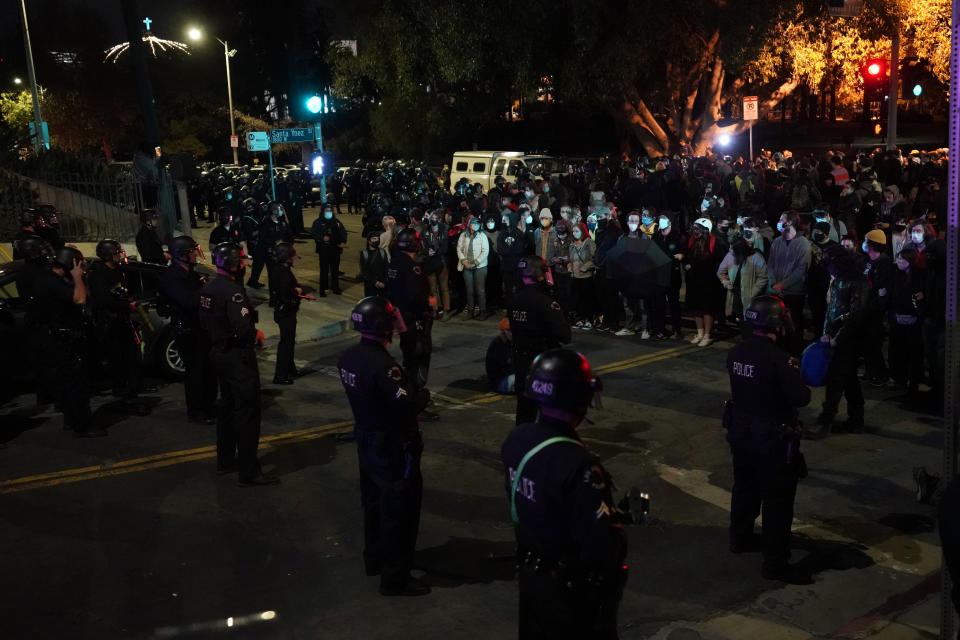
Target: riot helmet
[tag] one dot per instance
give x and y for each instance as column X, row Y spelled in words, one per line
column 532, row 268
column 375, row 316
column 29, row 217
column 769, row 314
column 35, row 249
column 67, row 257
column 107, row 250
column 225, row 216
column 561, row 379
column 284, row 252
column 408, row 240
column 229, row 257
column 181, row 249
column 149, row 218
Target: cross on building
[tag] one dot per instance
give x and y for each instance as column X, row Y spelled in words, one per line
column 148, row 22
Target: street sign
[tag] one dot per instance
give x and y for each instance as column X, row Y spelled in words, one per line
column 258, row 141
column 299, row 134
column 234, row 141
column 750, row 108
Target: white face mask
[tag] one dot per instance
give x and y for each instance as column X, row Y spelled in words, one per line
column 632, row 226
column 491, row 225
column 917, row 237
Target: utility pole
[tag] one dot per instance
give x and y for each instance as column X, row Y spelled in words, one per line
column 38, row 141
column 894, row 92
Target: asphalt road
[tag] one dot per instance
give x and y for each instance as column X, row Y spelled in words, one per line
column 135, row 536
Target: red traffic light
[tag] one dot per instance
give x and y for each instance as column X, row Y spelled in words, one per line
column 874, row 68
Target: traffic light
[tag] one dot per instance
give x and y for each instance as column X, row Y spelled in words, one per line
column 912, row 77
column 874, row 73
column 878, row 129
column 314, row 104
column 321, row 164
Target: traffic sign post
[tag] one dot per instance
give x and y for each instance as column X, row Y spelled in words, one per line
column 298, row 134
column 751, row 112
column 258, row 141
column 234, row 141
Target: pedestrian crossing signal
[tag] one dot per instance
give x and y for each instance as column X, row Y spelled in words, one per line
column 877, row 129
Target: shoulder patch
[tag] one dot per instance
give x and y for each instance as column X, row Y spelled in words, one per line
column 396, row 373
column 238, row 298
column 596, row 477
column 555, row 305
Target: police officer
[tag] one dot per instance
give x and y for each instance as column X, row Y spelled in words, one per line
column 409, row 291
column 569, row 543
column 273, row 229
column 180, row 298
column 763, row 432
column 285, row 296
column 149, row 247
column 59, row 296
column 229, row 320
column 37, row 255
column 49, row 227
column 330, row 237
column 112, row 304
column 228, row 230
column 385, row 406
column 29, row 225
column 537, row 323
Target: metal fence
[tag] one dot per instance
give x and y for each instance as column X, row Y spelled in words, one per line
column 93, row 207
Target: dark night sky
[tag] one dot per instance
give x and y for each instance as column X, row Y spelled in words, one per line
column 171, row 17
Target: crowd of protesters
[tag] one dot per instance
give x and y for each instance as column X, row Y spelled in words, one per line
column 851, row 242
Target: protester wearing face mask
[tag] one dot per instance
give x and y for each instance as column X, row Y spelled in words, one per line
column 906, row 312
column 582, row 250
column 837, row 228
column 560, row 267
column 880, row 271
column 843, row 328
column 436, row 243
column 743, row 274
column 648, row 224
column 512, row 245
column 787, row 270
column 473, row 249
column 607, row 235
column 705, row 294
column 849, row 204
column 899, row 237
column 330, row 237
column 673, row 243
column 591, row 225
column 373, row 265
column 891, row 207
column 494, row 284
column 818, row 277
column 918, row 236
column 544, row 238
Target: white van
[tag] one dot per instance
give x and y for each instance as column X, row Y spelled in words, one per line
column 485, row 166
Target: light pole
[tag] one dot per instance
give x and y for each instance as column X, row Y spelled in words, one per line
column 32, row 77
column 197, row 34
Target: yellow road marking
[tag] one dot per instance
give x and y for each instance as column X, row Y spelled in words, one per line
column 160, row 460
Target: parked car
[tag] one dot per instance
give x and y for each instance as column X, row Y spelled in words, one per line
column 143, row 279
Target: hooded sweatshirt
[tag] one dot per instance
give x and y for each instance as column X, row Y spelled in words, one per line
column 511, row 243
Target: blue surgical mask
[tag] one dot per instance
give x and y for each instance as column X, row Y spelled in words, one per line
column 328, row 215
column 475, row 226
column 739, row 221
column 528, row 194
column 664, row 223
column 546, row 189
column 528, row 220
column 646, row 220
column 821, row 219
column 491, row 224
column 780, row 227
column 591, row 225
column 864, row 246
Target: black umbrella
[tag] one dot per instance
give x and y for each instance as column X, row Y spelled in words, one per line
column 639, row 265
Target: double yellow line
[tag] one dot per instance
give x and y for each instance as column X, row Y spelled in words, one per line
column 171, row 458
column 157, row 461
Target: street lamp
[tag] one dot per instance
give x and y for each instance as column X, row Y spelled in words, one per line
column 17, row 81
column 195, row 34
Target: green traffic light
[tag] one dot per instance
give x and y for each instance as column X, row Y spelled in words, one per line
column 917, row 90
column 314, row 104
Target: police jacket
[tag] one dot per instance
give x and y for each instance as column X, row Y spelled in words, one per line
column 564, row 500
column 767, row 388
column 227, row 315
column 381, row 399
column 222, row 234
column 53, row 307
column 283, row 290
column 272, row 232
column 373, row 266
column 180, row 294
column 536, row 322
column 149, row 247
column 407, row 286
column 108, row 293
column 327, row 234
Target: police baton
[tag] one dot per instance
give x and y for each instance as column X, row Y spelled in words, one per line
column 300, row 295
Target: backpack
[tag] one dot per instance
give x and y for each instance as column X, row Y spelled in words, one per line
column 800, row 198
